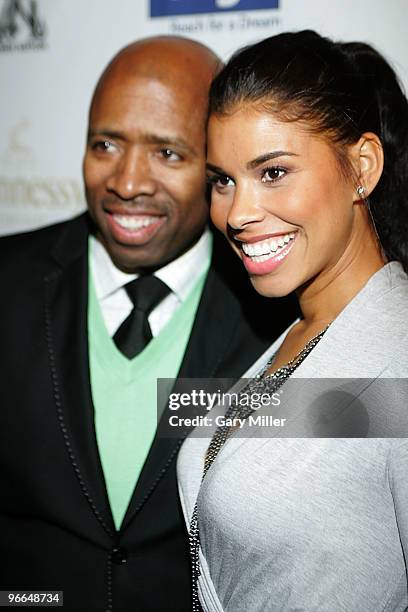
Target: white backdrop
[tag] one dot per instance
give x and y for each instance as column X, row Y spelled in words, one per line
column 53, row 51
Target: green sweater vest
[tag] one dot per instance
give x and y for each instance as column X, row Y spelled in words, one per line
column 124, row 394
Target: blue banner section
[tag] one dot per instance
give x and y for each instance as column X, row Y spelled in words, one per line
column 163, row 8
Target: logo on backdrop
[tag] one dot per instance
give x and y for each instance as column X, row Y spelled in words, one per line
column 18, row 150
column 21, row 26
column 22, row 189
column 166, row 8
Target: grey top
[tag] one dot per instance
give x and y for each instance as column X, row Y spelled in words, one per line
column 290, row 523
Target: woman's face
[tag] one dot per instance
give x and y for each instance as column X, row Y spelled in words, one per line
column 279, row 196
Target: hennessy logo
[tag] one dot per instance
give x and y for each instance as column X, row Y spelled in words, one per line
column 21, row 27
column 17, row 150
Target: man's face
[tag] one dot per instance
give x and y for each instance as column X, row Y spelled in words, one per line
column 144, row 169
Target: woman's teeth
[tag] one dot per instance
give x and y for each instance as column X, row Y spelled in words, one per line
column 133, row 222
column 265, row 249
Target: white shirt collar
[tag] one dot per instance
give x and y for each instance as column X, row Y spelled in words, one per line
column 179, row 275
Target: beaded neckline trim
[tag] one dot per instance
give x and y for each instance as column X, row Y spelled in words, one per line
column 271, row 383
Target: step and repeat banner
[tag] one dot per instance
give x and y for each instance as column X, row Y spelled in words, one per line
column 53, row 51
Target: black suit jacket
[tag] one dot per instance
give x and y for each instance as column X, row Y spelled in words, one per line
column 56, row 526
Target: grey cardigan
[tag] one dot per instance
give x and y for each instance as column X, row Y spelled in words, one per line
column 291, row 522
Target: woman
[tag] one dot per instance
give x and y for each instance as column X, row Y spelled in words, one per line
column 308, row 162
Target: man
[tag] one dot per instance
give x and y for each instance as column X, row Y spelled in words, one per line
column 89, row 498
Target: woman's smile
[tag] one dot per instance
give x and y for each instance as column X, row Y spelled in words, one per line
column 265, row 255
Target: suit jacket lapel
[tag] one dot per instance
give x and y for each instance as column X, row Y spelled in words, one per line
column 66, row 301
column 204, row 355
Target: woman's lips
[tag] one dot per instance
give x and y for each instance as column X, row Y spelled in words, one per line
column 265, row 256
column 134, row 229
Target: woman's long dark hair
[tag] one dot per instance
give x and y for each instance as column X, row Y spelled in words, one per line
column 342, row 90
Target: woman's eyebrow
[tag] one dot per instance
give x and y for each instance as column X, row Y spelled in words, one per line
column 254, row 163
column 215, row 169
column 251, row 165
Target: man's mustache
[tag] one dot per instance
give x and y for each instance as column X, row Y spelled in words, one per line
column 138, row 204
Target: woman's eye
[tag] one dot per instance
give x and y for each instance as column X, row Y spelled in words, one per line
column 170, row 155
column 271, row 175
column 220, row 181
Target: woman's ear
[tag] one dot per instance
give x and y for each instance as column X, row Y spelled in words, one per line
column 367, row 157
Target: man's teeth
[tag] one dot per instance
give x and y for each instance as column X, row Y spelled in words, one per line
column 263, row 250
column 133, row 222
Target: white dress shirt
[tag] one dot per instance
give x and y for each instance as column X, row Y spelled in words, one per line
column 179, row 275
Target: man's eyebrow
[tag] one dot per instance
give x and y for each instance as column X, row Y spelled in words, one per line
column 254, row 163
column 146, row 138
column 165, row 139
column 108, row 133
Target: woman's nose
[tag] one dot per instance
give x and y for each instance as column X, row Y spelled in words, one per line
column 245, row 209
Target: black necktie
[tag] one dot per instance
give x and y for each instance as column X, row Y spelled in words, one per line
column 135, row 333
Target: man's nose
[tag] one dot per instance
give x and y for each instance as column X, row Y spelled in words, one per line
column 132, row 176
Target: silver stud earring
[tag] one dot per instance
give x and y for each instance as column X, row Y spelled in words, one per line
column 360, row 191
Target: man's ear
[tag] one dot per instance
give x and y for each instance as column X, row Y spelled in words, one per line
column 367, row 157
